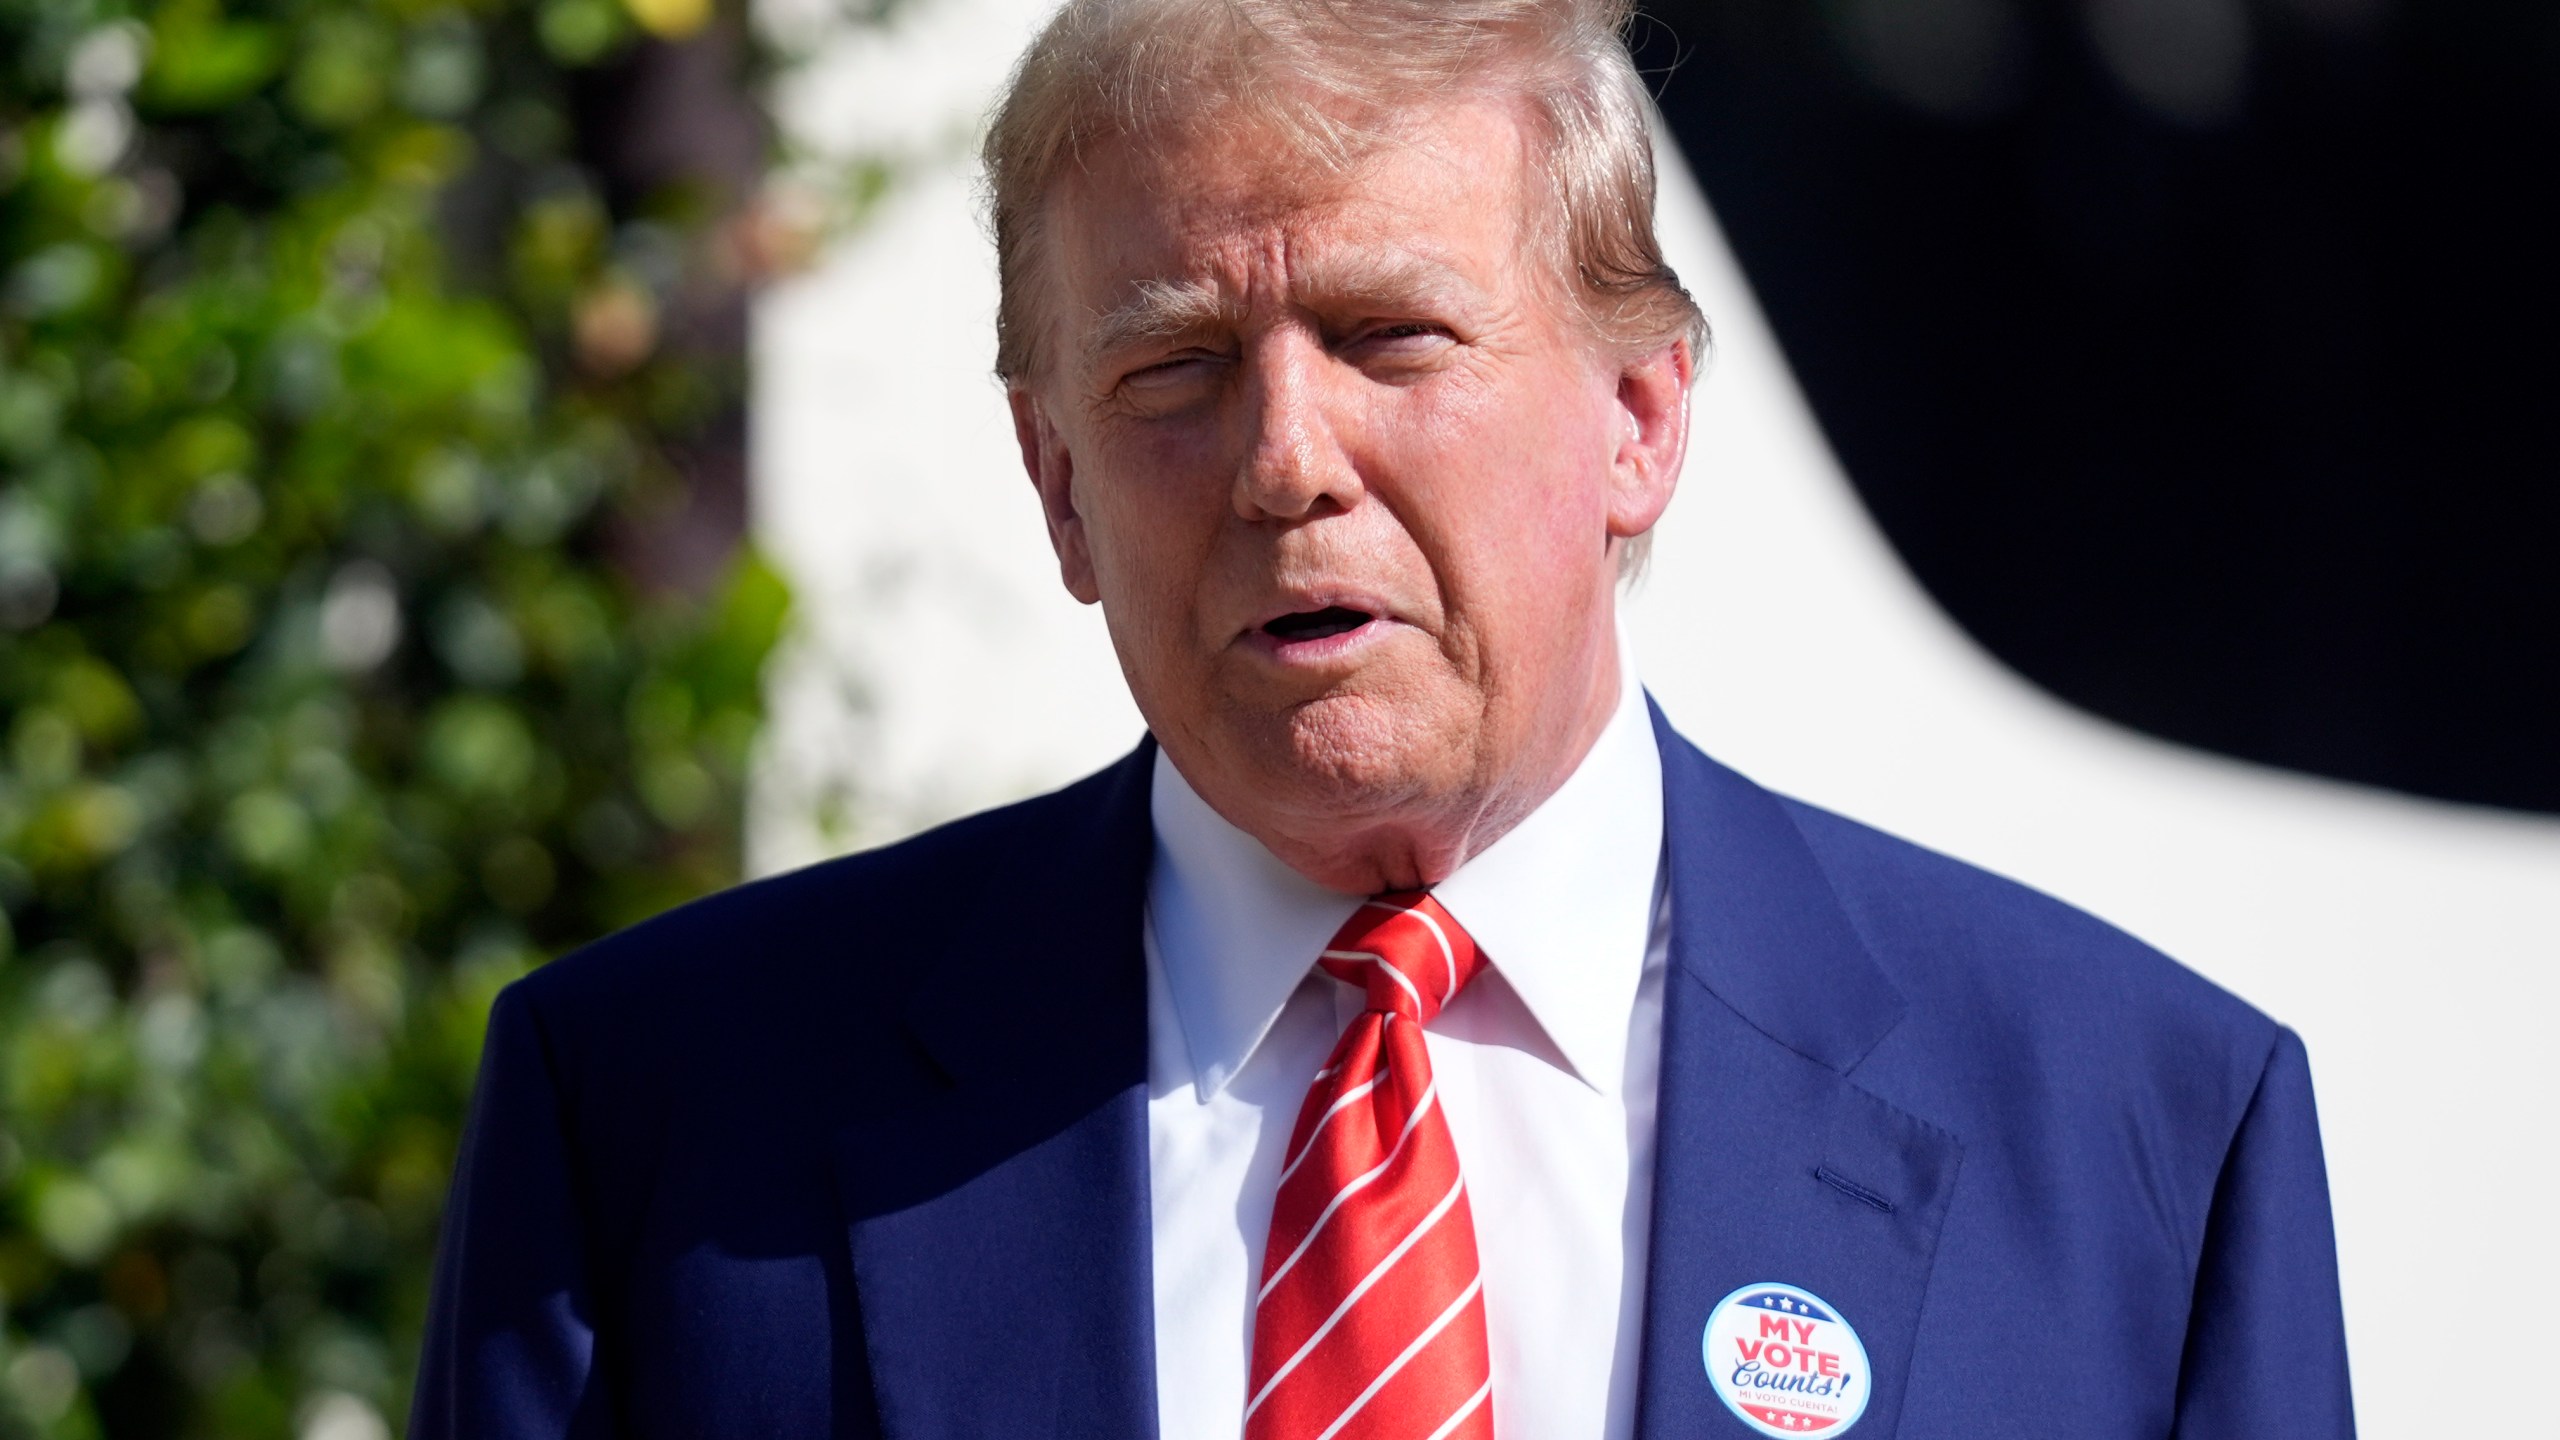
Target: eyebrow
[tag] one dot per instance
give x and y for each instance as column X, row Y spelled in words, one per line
column 1159, row 309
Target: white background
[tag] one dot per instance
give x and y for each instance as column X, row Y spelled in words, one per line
column 939, row 668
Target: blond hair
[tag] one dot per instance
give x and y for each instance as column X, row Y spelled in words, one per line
column 1312, row 72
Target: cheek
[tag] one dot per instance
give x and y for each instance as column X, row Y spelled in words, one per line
column 1150, row 515
column 1512, row 486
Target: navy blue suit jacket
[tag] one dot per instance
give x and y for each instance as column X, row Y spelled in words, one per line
column 862, row 1151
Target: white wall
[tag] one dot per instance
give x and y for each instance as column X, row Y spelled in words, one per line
column 2415, row 945
column 939, row 668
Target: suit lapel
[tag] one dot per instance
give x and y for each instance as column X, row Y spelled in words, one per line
column 999, row 1225
column 1772, row 1163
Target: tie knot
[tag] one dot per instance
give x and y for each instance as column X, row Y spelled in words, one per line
column 1408, row 954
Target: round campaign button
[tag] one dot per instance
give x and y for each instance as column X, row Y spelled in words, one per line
column 1785, row 1361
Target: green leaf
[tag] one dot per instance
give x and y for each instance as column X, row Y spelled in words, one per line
column 201, row 61
column 328, row 704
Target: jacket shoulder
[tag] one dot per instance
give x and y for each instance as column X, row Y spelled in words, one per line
column 1953, row 934
column 2072, row 1058
column 2075, row 1056
column 854, row 929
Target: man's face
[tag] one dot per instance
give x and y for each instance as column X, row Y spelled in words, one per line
column 1343, row 469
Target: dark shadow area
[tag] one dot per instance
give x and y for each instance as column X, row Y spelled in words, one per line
column 2198, row 355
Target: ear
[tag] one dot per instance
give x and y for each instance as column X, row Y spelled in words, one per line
column 1052, row 471
column 1653, row 406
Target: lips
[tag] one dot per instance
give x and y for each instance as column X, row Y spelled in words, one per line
column 1323, row 628
column 1318, row 624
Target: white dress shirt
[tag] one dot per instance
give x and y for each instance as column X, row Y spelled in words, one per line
column 1547, row 1069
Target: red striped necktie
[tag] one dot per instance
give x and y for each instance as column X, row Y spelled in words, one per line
column 1370, row 1320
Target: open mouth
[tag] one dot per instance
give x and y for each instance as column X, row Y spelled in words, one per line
column 1316, row 624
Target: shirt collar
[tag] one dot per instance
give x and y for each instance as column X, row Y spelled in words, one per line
column 1562, row 905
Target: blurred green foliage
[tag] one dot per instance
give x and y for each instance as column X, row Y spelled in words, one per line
column 329, row 373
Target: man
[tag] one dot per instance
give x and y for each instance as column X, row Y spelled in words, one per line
column 1414, row 1037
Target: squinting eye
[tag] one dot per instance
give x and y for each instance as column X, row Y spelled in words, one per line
column 1405, row 335
column 1168, row 372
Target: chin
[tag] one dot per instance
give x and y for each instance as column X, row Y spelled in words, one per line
column 1353, row 755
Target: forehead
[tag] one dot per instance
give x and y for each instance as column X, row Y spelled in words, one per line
column 1237, row 207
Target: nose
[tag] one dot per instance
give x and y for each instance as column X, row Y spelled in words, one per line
column 1295, row 466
